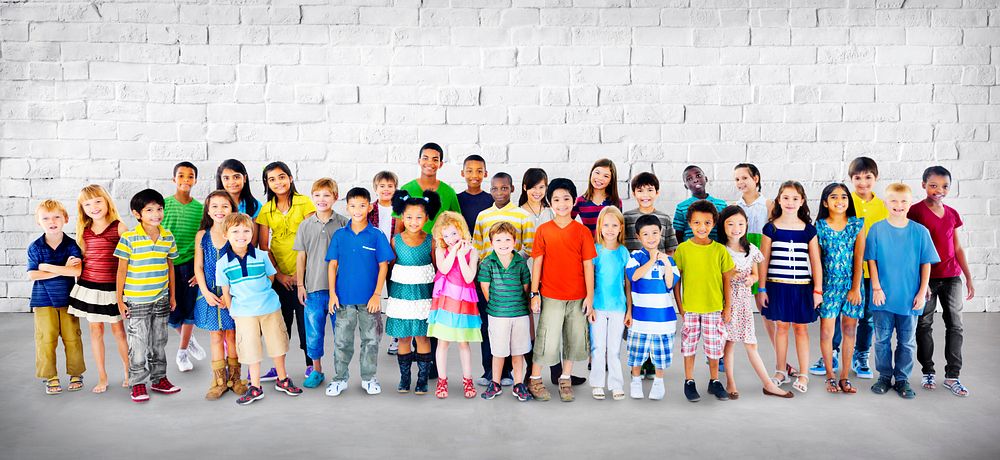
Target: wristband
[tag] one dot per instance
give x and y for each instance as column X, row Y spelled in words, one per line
column 817, row 292
column 876, row 289
column 761, row 290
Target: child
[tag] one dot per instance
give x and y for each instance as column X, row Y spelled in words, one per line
column 54, row 260
column 245, row 275
column 791, row 255
column 504, row 278
column 705, row 267
column 695, row 181
column 899, row 255
column 651, row 317
column 610, row 305
column 181, row 216
column 231, row 176
column 144, row 288
column 209, row 311
column 311, row 243
column 411, row 286
column 358, row 257
column 842, row 250
column 474, row 200
column 279, row 221
column 454, row 316
column 756, row 208
column 562, row 290
column 430, row 159
column 746, row 257
column 93, row 297
column 602, row 190
column 945, row 284
column 532, row 200
column 381, row 216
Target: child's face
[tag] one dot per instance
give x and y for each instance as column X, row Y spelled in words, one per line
column 610, row 229
column 701, row 224
column 279, row 182
column 838, row 201
column 649, row 236
column 219, row 208
column 451, row 235
column 500, row 189
column 600, row 177
column 384, row 189
column 151, row 214
column 863, row 182
column 414, row 218
column 324, row 199
column 503, row 243
column 790, row 201
column 937, row 187
column 537, row 193
column 185, row 178
column 736, row 227
column 744, row 181
column 52, row 222
column 695, row 181
column 239, row 236
column 474, row 172
column 898, row 203
column 358, row 209
column 96, row 208
column 430, row 162
column 232, row 181
column 562, row 202
column 646, row 196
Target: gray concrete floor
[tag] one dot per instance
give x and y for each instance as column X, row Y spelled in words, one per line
column 354, row 425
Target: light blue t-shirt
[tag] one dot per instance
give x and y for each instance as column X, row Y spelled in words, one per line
column 609, row 279
column 247, row 278
column 899, row 253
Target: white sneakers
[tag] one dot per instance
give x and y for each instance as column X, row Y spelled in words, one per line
column 658, row 390
column 635, row 389
column 195, row 350
column 336, row 387
column 183, row 361
column 371, row 386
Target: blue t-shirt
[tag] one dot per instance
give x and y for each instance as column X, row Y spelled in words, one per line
column 247, row 278
column 652, row 302
column 243, row 208
column 358, row 256
column 609, row 278
column 899, row 253
column 53, row 292
column 472, row 205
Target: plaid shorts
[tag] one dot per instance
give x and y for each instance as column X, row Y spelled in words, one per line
column 707, row 326
column 657, row 347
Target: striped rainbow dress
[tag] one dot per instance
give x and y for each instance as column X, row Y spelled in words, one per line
column 454, row 315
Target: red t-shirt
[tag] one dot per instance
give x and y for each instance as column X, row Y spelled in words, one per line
column 564, row 249
column 943, row 234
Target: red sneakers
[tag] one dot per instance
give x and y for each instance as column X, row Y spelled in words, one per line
column 139, row 394
column 164, row 386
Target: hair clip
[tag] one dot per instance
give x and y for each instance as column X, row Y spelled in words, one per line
column 426, row 200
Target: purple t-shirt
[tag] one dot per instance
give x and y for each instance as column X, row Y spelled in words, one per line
column 943, row 234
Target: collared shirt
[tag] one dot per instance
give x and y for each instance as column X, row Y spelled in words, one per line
column 871, row 211
column 652, row 301
column 283, row 227
column 313, row 238
column 247, row 278
column 519, row 218
column 668, row 237
column 53, row 292
column 183, row 220
column 147, row 277
column 381, row 217
column 358, row 256
column 507, row 296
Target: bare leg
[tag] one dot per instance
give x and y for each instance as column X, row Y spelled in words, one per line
column 802, row 348
column 118, row 330
column 465, row 356
column 97, row 347
column 688, row 367
column 405, row 345
column 279, row 366
column 518, row 364
column 255, row 374
column 217, row 349
column 759, row 368
column 230, row 339
column 497, row 369
column 826, row 326
column 780, row 345
column 849, row 329
column 441, row 358
column 728, row 359
column 423, row 344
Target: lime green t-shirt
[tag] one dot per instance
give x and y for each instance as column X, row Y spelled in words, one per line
column 449, row 200
column 701, row 269
column 183, row 220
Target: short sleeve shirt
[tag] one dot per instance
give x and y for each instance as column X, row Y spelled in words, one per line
column 183, row 220
column 148, row 273
column 668, row 236
column 681, row 227
column 473, row 205
column 943, row 234
column 449, row 201
column 283, row 227
column 507, row 296
column 565, row 249
column 358, row 256
column 701, row 268
column 53, row 292
column 899, row 253
column 313, row 238
column 652, row 301
column 247, row 278
column 609, row 278
column 871, row 211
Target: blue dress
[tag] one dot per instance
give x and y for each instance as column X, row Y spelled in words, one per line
column 789, row 275
column 206, row 316
column 837, row 249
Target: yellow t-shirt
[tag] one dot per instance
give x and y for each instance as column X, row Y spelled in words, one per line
column 871, row 211
column 701, row 269
column 283, row 228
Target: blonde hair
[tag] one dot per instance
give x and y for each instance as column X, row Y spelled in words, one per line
column 898, row 187
column 236, row 219
column 613, row 212
column 328, row 184
column 83, row 221
column 503, row 227
column 449, row 218
column 51, row 206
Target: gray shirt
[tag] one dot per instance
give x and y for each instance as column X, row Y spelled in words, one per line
column 313, row 237
column 668, row 238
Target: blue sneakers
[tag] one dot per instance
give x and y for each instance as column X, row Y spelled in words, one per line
column 270, row 376
column 314, row 380
column 860, row 366
column 820, row 369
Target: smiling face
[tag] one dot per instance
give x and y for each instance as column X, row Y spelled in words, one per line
column 384, row 189
column 503, row 243
column 837, row 201
column 233, row 182
column 701, row 224
column 695, row 181
column 863, row 182
column 323, row 199
column 600, row 177
column 790, row 201
column 645, row 196
column 151, row 215
column 898, row 203
column 96, row 208
column 279, row 182
column 185, row 178
column 937, row 187
column 51, row 221
column 562, row 202
column 745, row 182
column 649, row 236
column 610, row 228
column 414, row 218
column 239, row 236
column 473, row 172
column 451, row 235
column 219, row 208
column 500, row 188
column 735, row 227
column 358, row 208
column 430, row 162
column 537, row 193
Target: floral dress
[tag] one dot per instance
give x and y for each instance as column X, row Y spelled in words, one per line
column 740, row 326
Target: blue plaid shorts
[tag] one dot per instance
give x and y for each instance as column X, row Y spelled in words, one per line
column 657, row 347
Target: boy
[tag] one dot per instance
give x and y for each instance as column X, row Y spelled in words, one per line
column 145, row 291
column 695, row 181
column 430, row 159
column 311, row 242
column 899, row 255
column 54, row 259
column 245, row 275
column 384, row 184
column 182, row 217
column 358, row 257
column 651, row 317
column 473, row 200
column 562, row 289
column 942, row 221
column 705, row 267
column 504, row 278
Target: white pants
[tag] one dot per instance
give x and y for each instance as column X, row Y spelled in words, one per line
column 605, row 349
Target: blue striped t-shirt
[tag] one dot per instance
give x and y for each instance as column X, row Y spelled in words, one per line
column 247, row 278
column 652, row 301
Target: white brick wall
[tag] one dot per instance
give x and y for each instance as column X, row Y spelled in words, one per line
column 115, row 93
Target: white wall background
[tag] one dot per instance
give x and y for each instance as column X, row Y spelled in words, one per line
column 117, row 92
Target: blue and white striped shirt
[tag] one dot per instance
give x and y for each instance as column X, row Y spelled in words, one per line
column 653, row 309
column 789, row 262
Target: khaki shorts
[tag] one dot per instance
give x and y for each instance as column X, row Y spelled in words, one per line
column 250, row 329
column 509, row 336
column 561, row 321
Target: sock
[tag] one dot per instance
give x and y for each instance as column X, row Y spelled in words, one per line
column 657, row 380
column 535, row 378
column 564, row 376
column 636, row 378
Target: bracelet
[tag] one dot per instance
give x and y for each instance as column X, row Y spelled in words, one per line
column 761, row 290
column 817, row 292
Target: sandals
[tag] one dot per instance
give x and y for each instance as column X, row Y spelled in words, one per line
column 75, row 383
column 617, row 395
column 734, row 395
column 598, row 393
column 927, row 382
column 442, row 388
column 783, row 380
column 468, row 388
column 799, row 385
column 846, row 386
column 52, row 386
column 956, row 387
column 831, row 386
column 791, row 371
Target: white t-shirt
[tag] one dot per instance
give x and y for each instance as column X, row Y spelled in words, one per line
column 385, row 221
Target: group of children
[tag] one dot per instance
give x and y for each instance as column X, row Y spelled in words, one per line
column 553, row 280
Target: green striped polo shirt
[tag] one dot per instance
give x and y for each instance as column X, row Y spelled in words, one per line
column 507, row 296
column 183, row 221
column 147, row 276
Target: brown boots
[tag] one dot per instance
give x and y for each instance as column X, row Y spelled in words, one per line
column 223, row 380
column 236, row 382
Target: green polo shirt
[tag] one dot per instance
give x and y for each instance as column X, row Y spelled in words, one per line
column 507, row 296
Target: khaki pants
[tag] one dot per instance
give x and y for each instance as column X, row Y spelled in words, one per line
column 50, row 324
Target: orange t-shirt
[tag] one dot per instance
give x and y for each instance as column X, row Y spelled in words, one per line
column 564, row 249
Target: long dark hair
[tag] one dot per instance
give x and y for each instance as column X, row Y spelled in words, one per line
column 824, row 210
column 720, row 227
column 206, row 220
column 285, row 169
column 612, row 188
column 402, row 199
column 246, row 196
column 803, row 213
column 532, row 176
column 754, row 172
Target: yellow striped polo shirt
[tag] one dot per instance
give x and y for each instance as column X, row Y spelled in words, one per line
column 147, row 277
column 511, row 213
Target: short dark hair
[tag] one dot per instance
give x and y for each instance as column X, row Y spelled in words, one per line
column 704, row 206
column 472, row 157
column 143, row 198
column 358, row 192
column 936, row 171
column 186, row 164
column 862, row 165
column 645, row 179
column 503, row 175
column 690, row 167
column 646, row 220
column 560, row 183
column 432, row 146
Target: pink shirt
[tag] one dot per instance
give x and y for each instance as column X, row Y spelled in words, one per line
column 943, row 234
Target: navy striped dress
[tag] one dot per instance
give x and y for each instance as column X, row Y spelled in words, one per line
column 789, row 275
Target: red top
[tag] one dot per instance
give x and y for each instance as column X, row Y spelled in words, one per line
column 943, row 234
column 99, row 262
column 565, row 250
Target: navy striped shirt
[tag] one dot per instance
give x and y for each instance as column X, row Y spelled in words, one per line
column 53, row 292
column 789, row 262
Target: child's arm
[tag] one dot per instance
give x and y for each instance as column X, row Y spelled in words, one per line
column 588, row 279
column 49, row 271
column 171, row 284
column 445, row 259
column 485, row 285
column 227, row 298
column 960, row 257
column 854, row 295
column 120, row 287
column 469, row 267
column 727, row 295
column 375, row 302
column 300, row 274
column 921, row 298
column 817, row 271
column 265, row 245
column 646, row 267
column 628, row 302
column 677, row 293
column 878, row 296
column 199, row 270
column 765, row 250
column 536, row 279
column 331, row 276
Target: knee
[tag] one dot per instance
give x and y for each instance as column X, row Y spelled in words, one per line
column 96, row 328
column 781, row 327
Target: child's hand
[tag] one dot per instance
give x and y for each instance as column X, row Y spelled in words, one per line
column 374, row 304
column 919, row 300
column 536, row 304
column 628, row 320
column 762, row 300
column 749, row 280
column 588, row 306
column 878, row 297
column 73, row 261
column 302, row 294
column 592, row 316
column 464, row 247
column 817, row 300
column 727, row 315
column 288, row 281
column 663, row 257
column 970, row 289
column 123, row 309
column 334, row 303
column 193, row 281
column 854, row 296
column 173, row 303
column 211, row 299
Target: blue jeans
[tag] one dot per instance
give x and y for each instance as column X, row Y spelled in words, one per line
column 863, row 342
column 894, row 365
column 185, row 295
column 317, row 304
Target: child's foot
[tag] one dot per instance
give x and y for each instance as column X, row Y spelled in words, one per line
column 521, row 392
column 903, row 390
column 287, row 387
column 195, row 350
column 442, row 388
column 956, row 387
column 847, row 387
column 927, row 382
column 371, row 386
column 101, row 387
column 780, row 378
column 52, row 386
column 314, row 380
column 566, row 390
column 618, row 394
column 598, row 393
column 270, row 376
column 139, row 394
column 492, row 391
column 691, row 391
column 635, row 388
column 183, row 361
column 801, row 383
column 819, row 367
column 309, row 371
column 881, row 386
column 658, row 390
column 164, row 386
column 538, row 390
column 506, row 381
column 253, row 393
column 468, row 388
column 394, row 347
column 336, row 387
column 716, row 389
column 861, row 368
column 75, row 383
column 778, row 392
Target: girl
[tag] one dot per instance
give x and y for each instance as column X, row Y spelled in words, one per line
column 756, row 208
column 232, row 177
column 602, row 190
column 732, row 231
column 279, row 221
column 98, row 228
column 210, row 313
column 411, row 285
column 842, row 252
column 533, row 186
column 791, row 255
column 611, row 300
column 454, row 316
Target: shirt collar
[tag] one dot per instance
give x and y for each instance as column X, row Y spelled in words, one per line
column 231, row 254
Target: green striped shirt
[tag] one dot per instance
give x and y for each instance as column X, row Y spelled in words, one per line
column 507, row 296
column 183, row 221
